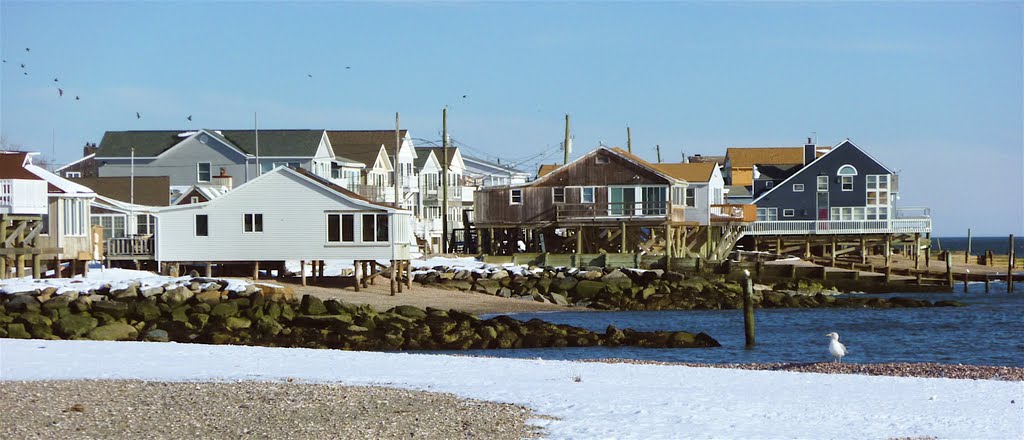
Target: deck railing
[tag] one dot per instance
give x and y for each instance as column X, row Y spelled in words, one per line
column 734, row 213
column 618, row 211
column 820, row 227
column 137, row 246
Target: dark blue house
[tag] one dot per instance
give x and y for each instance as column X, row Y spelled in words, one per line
column 843, row 184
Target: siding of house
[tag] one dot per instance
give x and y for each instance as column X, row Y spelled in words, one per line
column 72, row 245
column 805, row 203
column 294, row 213
column 179, row 162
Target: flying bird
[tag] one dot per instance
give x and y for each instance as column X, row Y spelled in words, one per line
column 4, row 60
column 348, row 67
column 309, row 75
column 137, row 115
column 189, row 117
column 76, row 97
column 27, row 49
column 55, row 80
column 463, row 96
column 22, row 66
column 835, row 347
column 60, row 91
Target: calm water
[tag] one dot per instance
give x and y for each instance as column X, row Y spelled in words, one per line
column 979, row 245
column 987, row 332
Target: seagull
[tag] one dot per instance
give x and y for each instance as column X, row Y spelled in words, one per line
column 137, row 115
column 76, row 97
column 835, row 347
column 23, row 66
column 746, row 273
column 55, row 80
column 309, row 75
column 60, row 91
column 27, row 49
column 189, row 117
column 348, row 67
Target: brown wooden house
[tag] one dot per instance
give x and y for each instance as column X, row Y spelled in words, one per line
column 608, row 200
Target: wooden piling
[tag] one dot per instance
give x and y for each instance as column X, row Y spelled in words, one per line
column 967, row 279
column 888, row 250
column 36, row 267
column 302, row 271
column 863, row 251
column 408, row 274
column 394, row 276
column 967, row 254
column 986, row 283
column 917, row 250
column 833, row 253
column 949, row 270
column 748, row 311
column 255, row 270
column 209, row 271
column 355, row 274
column 1011, row 255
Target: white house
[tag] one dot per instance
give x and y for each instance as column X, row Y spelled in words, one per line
column 285, row 214
column 66, row 224
column 706, row 188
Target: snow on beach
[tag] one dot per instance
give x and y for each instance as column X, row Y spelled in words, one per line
column 111, row 278
column 607, row 400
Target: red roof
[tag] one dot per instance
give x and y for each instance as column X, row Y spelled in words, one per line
column 12, row 166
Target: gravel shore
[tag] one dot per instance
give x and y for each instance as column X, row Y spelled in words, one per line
column 899, row 369
column 270, row 410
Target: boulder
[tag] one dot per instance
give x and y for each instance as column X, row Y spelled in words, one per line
column 17, row 331
column 210, row 297
column 617, row 279
column 312, row 305
column 23, row 303
column 177, row 295
column 225, row 309
column 266, row 326
column 592, row 275
column 588, row 289
column 145, row 311
column 559, row 299
column 73, row 326
column 33, row 319
column 127, row 292
column 156, row 335
column 409, row 312
column 115, row 309
column 566, row 284
column 58, row 302
column 504, row 292
column 499, row 275
column 116, row 331
column 236, row 323
column 151, row 291
column 488, row 286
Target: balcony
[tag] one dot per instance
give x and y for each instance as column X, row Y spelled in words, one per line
column 382, row 194
column 19, row 196
column 139, row 247
column 616, row 211
column 734, row 213
column 432, row 195
column 903, row 221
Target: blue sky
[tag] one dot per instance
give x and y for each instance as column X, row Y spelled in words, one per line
column 931, row 89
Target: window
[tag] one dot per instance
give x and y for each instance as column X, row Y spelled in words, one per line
column 847, row 183
column 113, row 225
column 769, row 184
column 252, row 222
column 798, row 187
column 72, row 174
column 558, row 195
column 375, row 227
column 601, row 160
column 341, row 228
column 767, row 214
column 193, row 199
column 691, row 197
column 516, row 197
column 788, row 212
column 822, row 183
column 46, row 225
column 202, row 225
column 76, row 217
column 144, row 224
column 877, row 186
column 655, row 200
column 203, row 172
column 847, row 170
column 587, row 194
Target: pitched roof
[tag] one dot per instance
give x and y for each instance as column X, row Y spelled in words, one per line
column 149, row 190
column 690, row 172
column 337, row 188
column 57, row 184
column 748, row 157
column 290, row 143
column 365, row 154
column 12, row 166
column 363, row 137
column 547, row 168
column 439, row 153
column 421, row 160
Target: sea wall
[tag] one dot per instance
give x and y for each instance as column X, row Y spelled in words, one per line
column 207, row 311
column 632, row 289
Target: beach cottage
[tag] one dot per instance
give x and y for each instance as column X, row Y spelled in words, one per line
column 285, row 214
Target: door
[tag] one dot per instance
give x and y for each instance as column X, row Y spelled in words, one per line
column 823, row 210
column 621, row 201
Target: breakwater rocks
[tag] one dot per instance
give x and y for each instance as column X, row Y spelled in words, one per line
column 272, row 318
column 631, row 289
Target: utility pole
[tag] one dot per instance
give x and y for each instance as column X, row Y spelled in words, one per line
column 444, row 181
column 565, row 160
column 658, row 147
column 629, row 139
column 398, row 144
column 391, row 223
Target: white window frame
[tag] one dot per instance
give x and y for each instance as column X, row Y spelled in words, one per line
column 76, row 217
column 193, row 199
column 341, row 227
column 798, row 187
column 822, row 183
column 847, row 183
column 769, row 184
column 690, row 197
column 250, row 225
column 376, row 231
column 199, row 172
column 513, row 195
column 788, row 212
column 73, row 174
column 555, row 194
column 583, row 194
column 767, row 214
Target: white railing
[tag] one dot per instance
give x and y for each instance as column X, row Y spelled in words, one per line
column 821, row 227
column 915, row 213
column 19, row 196
column 136, row 246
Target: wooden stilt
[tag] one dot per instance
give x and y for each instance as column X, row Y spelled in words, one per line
column 1011, row 256
column 623, row 247
column 36, row 267
column 807, row 247
column 394, row 276
column 917, row 250
column 778, row 246
column 888, row 250
column 255, row 270
column 863, row 251
column 986, row 283
column 668, row 247
column 833, row 253
column 302, row 270
column 949, row 270
column 209, row 270
column 355, row 274
column 928, row 250
column 408, row 274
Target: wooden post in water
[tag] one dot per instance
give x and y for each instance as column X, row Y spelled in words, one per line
column 748, row 309
column 986, row 282
column 967, row 255
column 928, row 250
column 949, row 270
column 917, row 250
column 1010, row 255
column 967, row 278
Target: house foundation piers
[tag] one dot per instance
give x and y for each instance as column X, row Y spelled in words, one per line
column 20, row 249
column 844, row 249
column 363, row 273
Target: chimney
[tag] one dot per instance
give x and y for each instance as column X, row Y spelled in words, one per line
column 223, row 179
column 809, row 152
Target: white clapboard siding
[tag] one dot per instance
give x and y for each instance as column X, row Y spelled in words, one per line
column 294, row 209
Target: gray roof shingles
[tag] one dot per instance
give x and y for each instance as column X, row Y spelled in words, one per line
column 151, row 143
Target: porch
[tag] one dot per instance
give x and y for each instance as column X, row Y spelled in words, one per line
column 903, row 221
column 614, row 212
